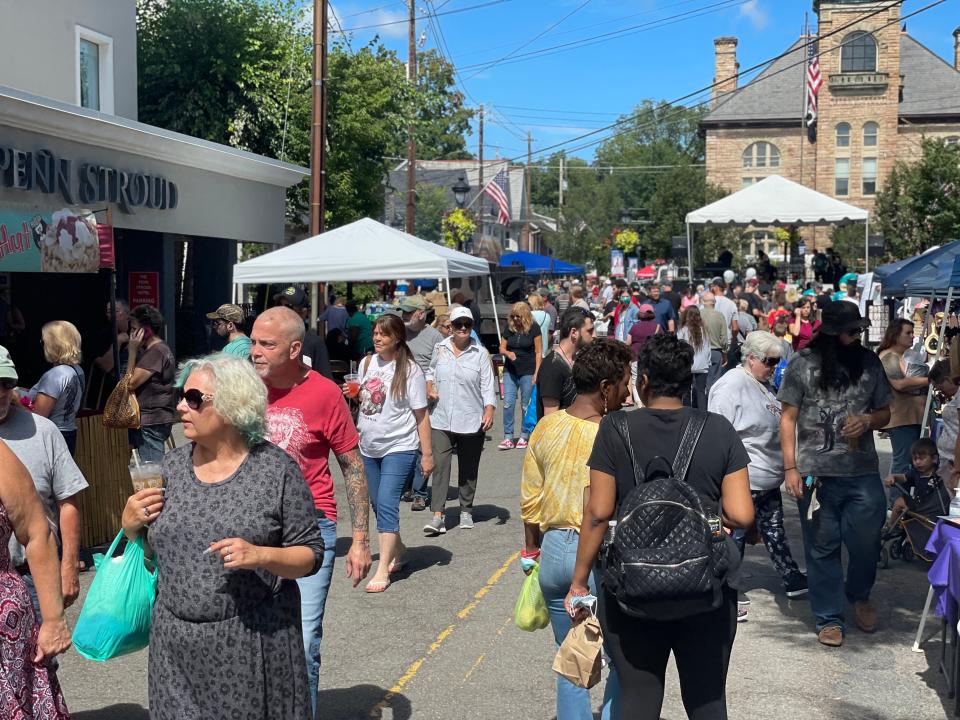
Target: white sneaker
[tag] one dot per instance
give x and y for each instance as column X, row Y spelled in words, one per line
column 466, row 521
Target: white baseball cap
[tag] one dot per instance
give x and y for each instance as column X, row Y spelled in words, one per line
column 461, row 313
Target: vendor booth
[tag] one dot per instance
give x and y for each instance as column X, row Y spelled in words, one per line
column 534, row 264
column 776, row 201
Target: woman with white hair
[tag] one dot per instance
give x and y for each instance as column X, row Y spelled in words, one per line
column 744, row 397
column 232, row 530
column 58, row 394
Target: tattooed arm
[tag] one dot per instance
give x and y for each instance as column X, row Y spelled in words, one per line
column 355, row 480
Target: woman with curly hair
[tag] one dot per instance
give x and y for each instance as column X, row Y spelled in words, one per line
column 522, row 346
column 694, row 333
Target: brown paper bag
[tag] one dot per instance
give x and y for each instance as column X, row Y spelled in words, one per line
column 579, row 658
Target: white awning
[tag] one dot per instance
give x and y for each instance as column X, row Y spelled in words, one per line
column 776, row 201
column 362, row 250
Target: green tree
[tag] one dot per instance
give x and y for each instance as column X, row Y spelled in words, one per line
column 849, row 243
column 919, row 205
column 442, row 120
column 432, row 205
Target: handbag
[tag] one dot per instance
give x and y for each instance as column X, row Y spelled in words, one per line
column 122, row 409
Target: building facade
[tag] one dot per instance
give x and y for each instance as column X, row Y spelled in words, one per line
column 882, row 94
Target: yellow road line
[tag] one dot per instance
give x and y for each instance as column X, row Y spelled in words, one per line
column 476, row 663
column 415, row 666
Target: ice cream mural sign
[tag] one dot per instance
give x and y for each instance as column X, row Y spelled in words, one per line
column 36, row 241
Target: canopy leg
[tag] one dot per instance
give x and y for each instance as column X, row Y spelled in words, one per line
column 866, row 245
column 689, row 255
column 493, row 302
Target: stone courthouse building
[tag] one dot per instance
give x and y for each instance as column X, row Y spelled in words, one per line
column 882, row 93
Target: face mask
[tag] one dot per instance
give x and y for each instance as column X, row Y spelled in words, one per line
column 624, row 299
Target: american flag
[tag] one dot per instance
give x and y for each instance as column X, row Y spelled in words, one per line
column 497, row 189
column 814, row 81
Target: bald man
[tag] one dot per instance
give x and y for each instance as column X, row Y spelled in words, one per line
column 308, row 418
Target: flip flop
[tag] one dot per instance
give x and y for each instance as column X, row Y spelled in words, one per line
column 377, row 586
column 396, row 565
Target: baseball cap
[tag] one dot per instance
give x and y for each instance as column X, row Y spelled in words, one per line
column 7, row 369
column 646, row 308
column 461, row 313
column 543, row 292
column 415, row 302
column 294, row 296
column 228, row 312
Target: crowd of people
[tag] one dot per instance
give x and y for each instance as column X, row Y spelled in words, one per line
column 782, row 387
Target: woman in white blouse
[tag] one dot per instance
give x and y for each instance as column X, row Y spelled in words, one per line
column 460, row 381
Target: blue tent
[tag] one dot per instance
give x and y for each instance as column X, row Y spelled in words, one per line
column 534, row 264
column 919, row 275
column 937, row 280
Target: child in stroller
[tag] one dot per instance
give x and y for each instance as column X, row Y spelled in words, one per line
column 919, row 496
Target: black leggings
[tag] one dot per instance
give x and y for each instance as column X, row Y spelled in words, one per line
column 640, row 650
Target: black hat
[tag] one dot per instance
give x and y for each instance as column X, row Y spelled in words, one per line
column 293, row 296
column 841, row 316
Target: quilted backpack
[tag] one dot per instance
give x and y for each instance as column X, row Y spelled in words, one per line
column 667, row 558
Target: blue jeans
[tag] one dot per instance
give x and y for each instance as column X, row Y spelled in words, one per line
column 150, row 441
column 511, row 384
column 313, row 599
column 558, row 555
column 386, row 477
column 419, row 483
column 852, row 511
column 901, row 438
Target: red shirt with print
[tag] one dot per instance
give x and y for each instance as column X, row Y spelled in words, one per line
column 309, row 420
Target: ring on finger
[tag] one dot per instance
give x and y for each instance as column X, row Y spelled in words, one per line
column 146, row 512
column 227, row 557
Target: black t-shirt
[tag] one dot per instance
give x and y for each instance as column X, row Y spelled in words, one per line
column 316, row 349
column 555, row 380
column 522, row 345
column 674, row 297
column 657, row 433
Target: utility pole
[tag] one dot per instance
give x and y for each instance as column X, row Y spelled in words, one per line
column 560, row 203
column 480, row 197
column 318, row 130
column 411, row 143
column 525, row 235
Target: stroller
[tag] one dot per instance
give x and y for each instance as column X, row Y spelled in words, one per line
column 905, row 535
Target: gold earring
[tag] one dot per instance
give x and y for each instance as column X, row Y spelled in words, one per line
column 605, row 405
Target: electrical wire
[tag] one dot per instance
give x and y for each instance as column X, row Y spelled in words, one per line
column 448, row 12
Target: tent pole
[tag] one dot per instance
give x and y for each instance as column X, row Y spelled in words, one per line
column 866, row 245
column 689, row 255
column 314, row 305
column 924, row 428
column 449, row 298
column 493, row 302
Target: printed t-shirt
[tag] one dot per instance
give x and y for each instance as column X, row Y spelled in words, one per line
column 64, row 383
column 308, row 421
column 387, row 425
column 156, row 396
column 555, row 380
column 821, row 449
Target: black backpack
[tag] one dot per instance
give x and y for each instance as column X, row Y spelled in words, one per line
column 666, row 558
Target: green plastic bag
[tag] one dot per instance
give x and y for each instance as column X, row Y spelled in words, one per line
column 530, row 613
column 117, row 612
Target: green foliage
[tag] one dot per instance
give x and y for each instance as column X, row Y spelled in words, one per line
column 626, row 240
column 919, row 204
column 849, row 242
column 432, row 205
column 458, row 226
column 362, row 292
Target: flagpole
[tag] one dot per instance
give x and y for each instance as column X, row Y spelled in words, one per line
column 803, row 105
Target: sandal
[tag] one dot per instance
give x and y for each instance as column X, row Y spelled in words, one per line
column 396, row 565
column 377, row 586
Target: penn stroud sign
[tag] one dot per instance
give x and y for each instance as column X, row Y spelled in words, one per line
column 86, row 183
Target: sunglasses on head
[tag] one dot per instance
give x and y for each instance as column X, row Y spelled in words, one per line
column 8, row 383
column 462, row 324
column 193, row 397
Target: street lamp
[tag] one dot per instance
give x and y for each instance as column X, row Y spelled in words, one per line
column 460, row 191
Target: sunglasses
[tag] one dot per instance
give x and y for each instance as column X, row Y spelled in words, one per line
column 462, row 324
column 8, row 384
column 193, row 397
column 770, row 362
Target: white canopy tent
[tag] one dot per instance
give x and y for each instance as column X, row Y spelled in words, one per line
column 363, row 250
column 776, row 201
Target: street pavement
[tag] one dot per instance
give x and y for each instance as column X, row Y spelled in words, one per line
column 441, row 642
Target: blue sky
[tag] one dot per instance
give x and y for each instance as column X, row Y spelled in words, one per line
column 584, row 88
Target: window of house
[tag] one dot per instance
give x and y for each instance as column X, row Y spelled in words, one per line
column 843, row 135
column 869, row 176
column 952, row 140
column 94, row 78
column 761, row 155
column 870, row 132
column 859, row 53
column 842, row 176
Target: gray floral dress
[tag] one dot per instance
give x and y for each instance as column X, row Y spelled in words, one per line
column 228, row 644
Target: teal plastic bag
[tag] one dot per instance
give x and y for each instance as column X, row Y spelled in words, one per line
column 530, row 413
column 116, row 615
column 530, row 613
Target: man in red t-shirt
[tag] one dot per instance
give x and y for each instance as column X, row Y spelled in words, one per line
column 308, row 418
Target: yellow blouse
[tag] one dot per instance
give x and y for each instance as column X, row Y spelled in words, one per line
column 555, row 471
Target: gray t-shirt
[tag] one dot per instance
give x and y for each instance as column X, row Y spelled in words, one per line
column 821, row 451
column 64, row 383
column 38, row 444
column 422, row 343
column 754, row 412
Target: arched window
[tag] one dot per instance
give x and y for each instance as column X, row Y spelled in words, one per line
column 859, row 53
column 843, row 135
column 761, row 155
column 870, row 132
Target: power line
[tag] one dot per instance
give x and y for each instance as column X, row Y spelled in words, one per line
column 376, row 9
column 448, row 12
column 739, row 74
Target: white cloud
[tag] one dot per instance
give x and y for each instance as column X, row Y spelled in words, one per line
column 755, row 13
